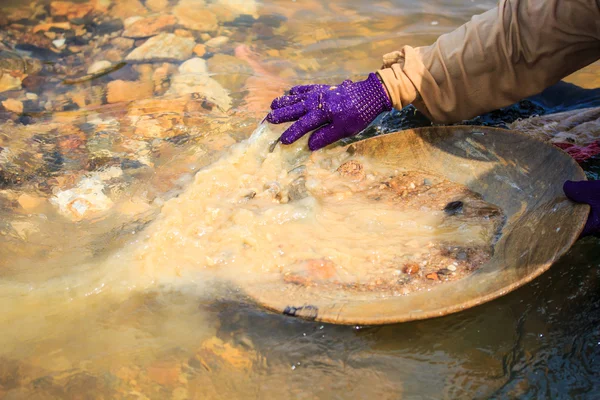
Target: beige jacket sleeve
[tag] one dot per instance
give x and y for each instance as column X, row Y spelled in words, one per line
column 504, row 55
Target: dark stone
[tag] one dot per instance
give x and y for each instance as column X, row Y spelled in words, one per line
column 38, row 52
column 243, row 20
column 26, row 120
column 272, row 20
column 454, row 207
column 109, row 27
column 131, row 164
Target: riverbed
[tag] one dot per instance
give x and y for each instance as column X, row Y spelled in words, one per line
column 108, row 110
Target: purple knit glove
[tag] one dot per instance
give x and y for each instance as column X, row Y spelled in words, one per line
column 587, row 192
column 338, row 111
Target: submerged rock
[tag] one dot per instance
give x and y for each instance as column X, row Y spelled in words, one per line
column 119, row 91
column 83, row 201
column 150, row 26
column 193, row 14
column 165, row 46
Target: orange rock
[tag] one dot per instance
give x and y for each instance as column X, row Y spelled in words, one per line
column 150, row 26
column 411, row 269
column 29, row 202
column 320, row 269
column 233, row 356
column 433, row 276
column 200, row 50
column 120, row 91
column 164, row 373
column 125, row 9
column 13, row 105
column 70, row 10
column 48, row 26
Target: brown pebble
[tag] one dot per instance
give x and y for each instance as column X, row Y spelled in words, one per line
column 352, row 169
column 411, row 269
column 433, row 276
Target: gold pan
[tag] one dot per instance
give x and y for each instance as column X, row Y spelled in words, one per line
column 520, row 174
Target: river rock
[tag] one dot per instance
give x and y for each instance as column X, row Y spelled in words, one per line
column 128, row 8
column 157, row 5
column 13, row 105
column 84, row 200
column 202, row 86
column 194, row 66
column 99, row 66
column 217, row 41
column 69, row 9
column 150, row 26
column 165, row 46
column 229, row 71
column 8, row 82
column 200, row 50
column 119, row 91
column 228, row 10
column 193, row 14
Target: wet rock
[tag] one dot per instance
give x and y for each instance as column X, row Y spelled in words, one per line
column 85, row 200
column 61, row 26
column 129, row 8
column 8, row 82
column 13, row 105
column 411, row 269
column 229, row 10
column 122, row 43
column 99, row 66
column 454, row 208
column 229, row 71
column 199, row 50
column 157, row 5
column 109, row 27
column 215, row 353
column 165, row 46
column 433, row 276
column 194, row 15
column 69, row 9
column 217, row 41
column 201, row 87
column 119, row 91
column 194, row 66
column 297, row 189
column 150, row 26
column 352, row 169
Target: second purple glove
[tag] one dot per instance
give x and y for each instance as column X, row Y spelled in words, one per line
column 337, row 111
column 587, row 192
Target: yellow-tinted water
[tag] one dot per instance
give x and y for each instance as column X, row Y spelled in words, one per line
column 90, row 158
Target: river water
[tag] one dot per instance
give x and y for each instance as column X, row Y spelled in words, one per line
column 100, row 126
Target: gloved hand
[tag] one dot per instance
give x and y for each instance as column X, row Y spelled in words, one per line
column 338, row 111
column 587, row 192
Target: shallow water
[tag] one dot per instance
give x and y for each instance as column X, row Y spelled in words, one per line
column 73, row 329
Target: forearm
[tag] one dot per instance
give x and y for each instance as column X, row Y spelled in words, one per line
column 506, row 54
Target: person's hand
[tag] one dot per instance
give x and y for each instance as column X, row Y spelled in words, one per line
column 587, row 192
column 337, row 111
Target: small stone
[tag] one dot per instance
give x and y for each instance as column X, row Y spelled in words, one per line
column 157, row 5
column 48, row 26
column 411, row 269
column 109, row 27
column 146, row 27
column 433, row 276
column 9, row 82
column 451, row 268
column 183, row 33
column 58, row 43
column 13, row 105
column 199, row 50
column 194, row 66
column 122, row 43
column 99, row 66
column 30, row 203
column 129, row 8
column 31, row 96
column 202, row 87
column 165, row 46
column 194, row 15
column 69, row 9
column 453, row 208
column 119, row 91
column 217, row 41
column 86, row 199
column 352, row 169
